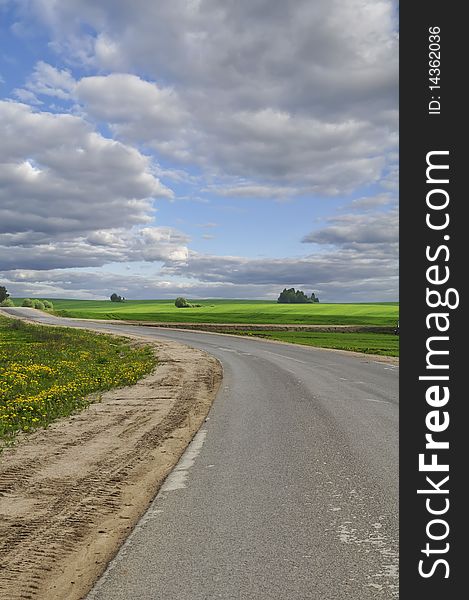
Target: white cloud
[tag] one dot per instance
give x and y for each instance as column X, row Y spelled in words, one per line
column 58, row 174
column 347, row 265
column 99, row 247
column 352, row 230
column 108, row 53
column 61, row 182
column 49, row 81
column 369, row 203
column 246, row 190
column 27, row 96
column 278, row 92
column 127, row 101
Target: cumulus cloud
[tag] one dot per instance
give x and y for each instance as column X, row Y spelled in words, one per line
column 248, row 51
column 274, row 145
column 346, row 265
column 70, row 197
column 136, row 109
column 374, row 229
column 49, row 81
column 36, row 251
column 57, row 175
column 291, row 92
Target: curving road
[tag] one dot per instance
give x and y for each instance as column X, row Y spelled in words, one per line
column 289, row 491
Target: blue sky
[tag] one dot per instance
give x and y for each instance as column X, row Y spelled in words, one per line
column 199, row 148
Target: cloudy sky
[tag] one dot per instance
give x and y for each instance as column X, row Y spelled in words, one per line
column 205, row 148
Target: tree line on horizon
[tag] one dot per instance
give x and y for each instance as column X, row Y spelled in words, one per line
column 292, row 296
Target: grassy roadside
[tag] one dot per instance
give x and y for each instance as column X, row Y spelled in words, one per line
column 368, row 343
column 48, row 372
column 232, row 311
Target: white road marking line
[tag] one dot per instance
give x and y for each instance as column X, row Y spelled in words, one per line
column 176, row 480
column 388, row 366
column 343, row 378
column 303, row 362
column 235, row 351
column 373, row 400
column 178, row 477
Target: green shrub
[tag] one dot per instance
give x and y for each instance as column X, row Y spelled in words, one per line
column 38, row 304
column 48, row 304
column 17, row 325
column 28, row 303
column 7, row 302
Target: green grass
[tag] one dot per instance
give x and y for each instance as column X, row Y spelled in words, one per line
column 368, row 343
column 232, row 311
column 48, row 372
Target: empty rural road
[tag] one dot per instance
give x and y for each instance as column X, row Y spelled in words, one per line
column 289, row 490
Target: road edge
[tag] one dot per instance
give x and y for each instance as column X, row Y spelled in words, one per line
column 62, row 582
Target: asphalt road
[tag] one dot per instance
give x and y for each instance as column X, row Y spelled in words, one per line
column 289, row 490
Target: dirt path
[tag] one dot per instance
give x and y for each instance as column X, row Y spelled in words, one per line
column 70, row 494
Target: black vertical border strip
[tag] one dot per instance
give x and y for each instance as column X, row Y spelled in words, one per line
column 420, row 133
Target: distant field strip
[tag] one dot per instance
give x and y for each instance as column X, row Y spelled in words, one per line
column 368, row 343
column 232, row 311
column 49, row 372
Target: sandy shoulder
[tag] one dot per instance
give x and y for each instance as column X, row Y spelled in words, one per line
column 71, row 494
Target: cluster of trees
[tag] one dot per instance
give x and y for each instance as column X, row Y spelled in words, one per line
column 181, row 302
column 292, row 296
column 5, row 297
column 116, row 298
column 5, row 300
column 3, row 293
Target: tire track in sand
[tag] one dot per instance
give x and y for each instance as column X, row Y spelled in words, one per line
column 70, row 494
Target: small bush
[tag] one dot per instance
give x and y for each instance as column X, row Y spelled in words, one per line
column 48, row 305
column 7, row 302
column 18, row 325
column 38, row 304
column 28, row 303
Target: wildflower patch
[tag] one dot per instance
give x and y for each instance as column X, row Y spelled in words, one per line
column 50, row 372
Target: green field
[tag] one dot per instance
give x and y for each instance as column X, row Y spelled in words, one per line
column 49, row 372
column 369, row 343
column 232, row 311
